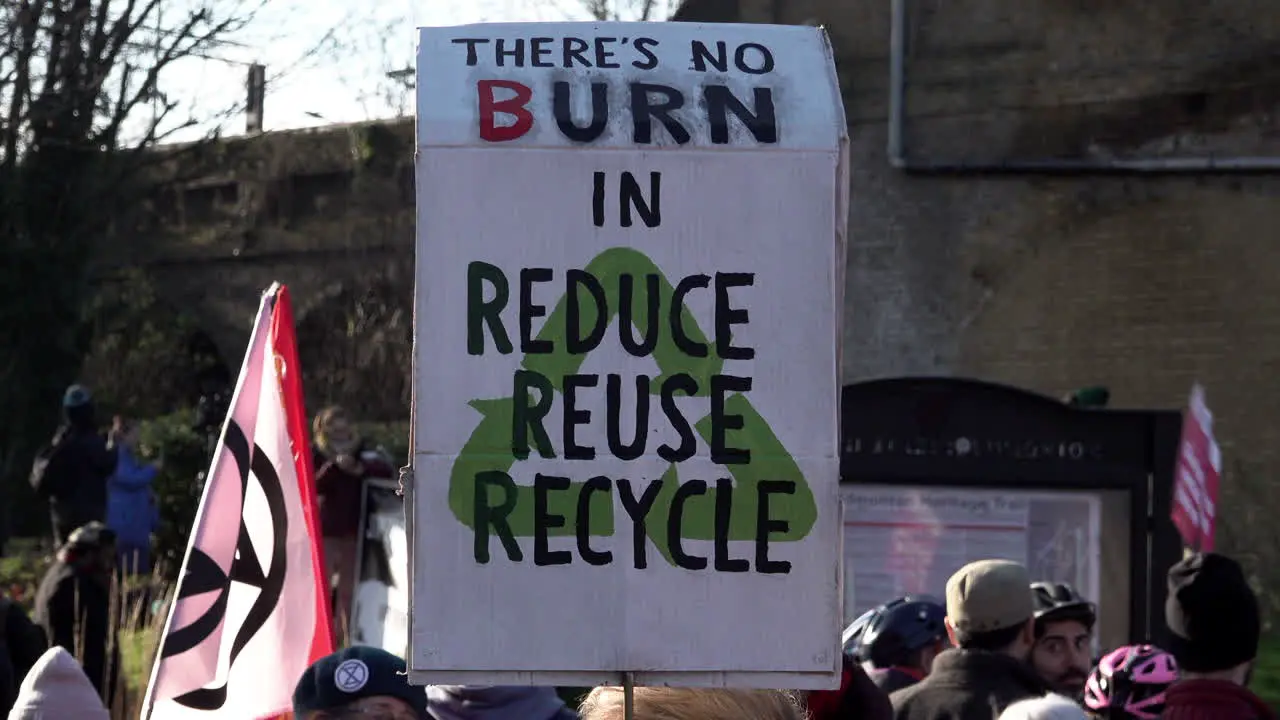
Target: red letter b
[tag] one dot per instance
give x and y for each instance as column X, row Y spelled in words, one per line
column 513, row 106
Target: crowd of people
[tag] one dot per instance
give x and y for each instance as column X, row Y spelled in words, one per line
column 103, row 512
column 1001, row 646
column 997, row 647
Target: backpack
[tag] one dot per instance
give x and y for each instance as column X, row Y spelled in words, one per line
column 49, row 469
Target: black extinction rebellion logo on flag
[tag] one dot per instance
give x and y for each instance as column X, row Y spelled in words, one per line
column 203, row 575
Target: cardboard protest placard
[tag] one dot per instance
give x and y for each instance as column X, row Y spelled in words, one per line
column 380, row 608
column 630, row 264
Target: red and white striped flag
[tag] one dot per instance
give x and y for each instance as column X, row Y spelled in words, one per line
column 1198, row 474
column 251, row 609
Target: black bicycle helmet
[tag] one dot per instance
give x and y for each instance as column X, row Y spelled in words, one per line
column 851, row 638
column 900, row 628
column 1060, row 601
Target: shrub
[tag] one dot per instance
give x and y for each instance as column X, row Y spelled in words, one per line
column 178, row 486
column 392, row 438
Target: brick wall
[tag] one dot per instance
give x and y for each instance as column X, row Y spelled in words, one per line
column 1141, row 284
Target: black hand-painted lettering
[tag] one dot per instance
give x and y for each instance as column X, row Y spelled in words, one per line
column 573, row 417
column 481, row 312
column 644, row 110
column 723, row 522
column 529, row 344
column 562, row 109
column 631, row 200
column 721, row 102
column 471, row 44
column 613, row 405
column 578, row 282
column 762, row 66
column 526, row 418
column 627, row 316
column 685, row 385
column 766, row 525
column 539, row 51
column 597, row 198
column 544, row 520
column 701, row 56
column 727, row 316
column 573, row 53
column 582, row 527
column 631, row 196
column 515, row 53
column 604, row 53
column 721, row 453
column 675, row 521
column 494, row 517
column 678, row 335
column 643, row 46
column 638, row 510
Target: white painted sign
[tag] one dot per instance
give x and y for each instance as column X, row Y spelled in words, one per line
column 630, row 266
column 380, row 608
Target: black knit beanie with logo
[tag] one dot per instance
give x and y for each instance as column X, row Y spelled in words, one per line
column 1212, row 613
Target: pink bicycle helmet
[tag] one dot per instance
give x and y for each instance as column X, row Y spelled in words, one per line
column 1129, row 683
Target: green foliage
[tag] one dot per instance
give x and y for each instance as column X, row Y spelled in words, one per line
column 42, row 348
column 135, row 360
column 177, row 487
column 356, row 348
column 22, row 567
column 392, row 437
column 138, row 362
column 375, row 147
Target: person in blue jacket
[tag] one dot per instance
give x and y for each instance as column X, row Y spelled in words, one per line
column 131, row 507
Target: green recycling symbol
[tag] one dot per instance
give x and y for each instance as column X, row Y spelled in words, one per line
column 489, row 447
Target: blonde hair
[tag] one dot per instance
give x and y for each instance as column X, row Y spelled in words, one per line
column 1049, row 707
column 667, row 703
column 320, row 430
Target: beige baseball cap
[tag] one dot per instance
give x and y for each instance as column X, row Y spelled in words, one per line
column 989, row 595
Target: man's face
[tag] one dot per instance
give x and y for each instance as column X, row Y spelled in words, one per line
column 1063, row 656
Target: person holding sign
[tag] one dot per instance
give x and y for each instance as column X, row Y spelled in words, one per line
column 341, row 466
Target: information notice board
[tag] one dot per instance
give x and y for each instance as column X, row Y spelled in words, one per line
column 941, row 471
column 628, row 309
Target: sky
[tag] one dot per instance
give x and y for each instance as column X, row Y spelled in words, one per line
column 326, row 60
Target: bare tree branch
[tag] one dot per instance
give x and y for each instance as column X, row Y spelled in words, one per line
column 76, row 77
column 642, row 10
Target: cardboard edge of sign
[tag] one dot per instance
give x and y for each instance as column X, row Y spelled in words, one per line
column 708, row 679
